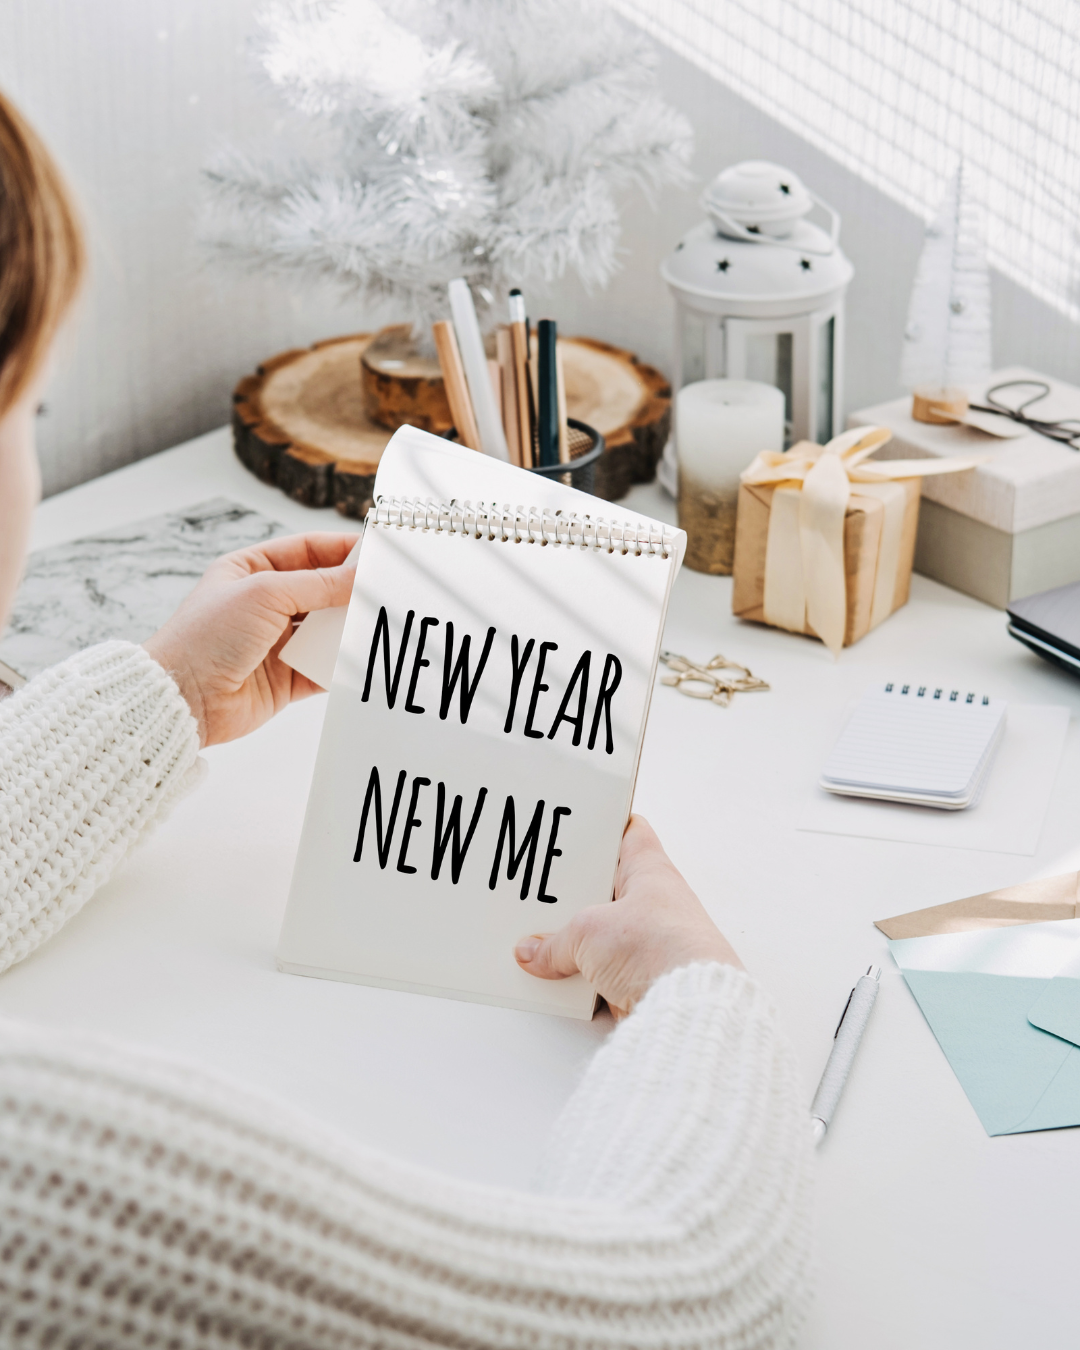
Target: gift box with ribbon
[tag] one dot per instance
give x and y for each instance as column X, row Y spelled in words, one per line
column 825, row 536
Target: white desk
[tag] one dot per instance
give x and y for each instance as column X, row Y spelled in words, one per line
column 932, row 1236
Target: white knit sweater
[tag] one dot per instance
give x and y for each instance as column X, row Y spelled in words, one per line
column 143, row 1203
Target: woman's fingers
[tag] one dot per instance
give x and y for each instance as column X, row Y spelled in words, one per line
column 639, row 834
column 319, row 549
column 293, row 552
column 300, row 592
column 640, row 848
column 302, row 687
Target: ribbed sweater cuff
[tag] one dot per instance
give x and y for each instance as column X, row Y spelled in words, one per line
column 93, row 752
column 700, row 979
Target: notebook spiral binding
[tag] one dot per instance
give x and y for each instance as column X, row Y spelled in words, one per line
column 521, row 525
column 954, row 694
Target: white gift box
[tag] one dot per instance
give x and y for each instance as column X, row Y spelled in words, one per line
column 1010, row 527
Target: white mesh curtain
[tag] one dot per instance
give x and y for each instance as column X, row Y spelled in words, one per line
column 899, row 90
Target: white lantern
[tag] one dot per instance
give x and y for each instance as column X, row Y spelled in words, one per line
column 759, row 295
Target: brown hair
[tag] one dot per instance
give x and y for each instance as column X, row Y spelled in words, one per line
column 42, row 256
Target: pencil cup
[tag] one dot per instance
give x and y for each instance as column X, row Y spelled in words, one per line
column 586, row 447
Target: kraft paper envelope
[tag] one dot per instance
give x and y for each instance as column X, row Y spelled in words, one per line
column 976, row 988
column 1031, row 902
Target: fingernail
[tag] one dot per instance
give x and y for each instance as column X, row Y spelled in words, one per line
column 526, row 949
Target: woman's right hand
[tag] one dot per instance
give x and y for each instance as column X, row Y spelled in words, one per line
column 655, row 924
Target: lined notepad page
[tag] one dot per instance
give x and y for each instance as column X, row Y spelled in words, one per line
column 916, row 742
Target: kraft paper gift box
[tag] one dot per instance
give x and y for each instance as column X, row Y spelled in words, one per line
column 825, row 536
column 1012, row 527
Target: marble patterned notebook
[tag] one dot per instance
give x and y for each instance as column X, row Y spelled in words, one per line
column 120, row 583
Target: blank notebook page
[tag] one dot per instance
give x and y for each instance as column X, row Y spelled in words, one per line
column 916, row 738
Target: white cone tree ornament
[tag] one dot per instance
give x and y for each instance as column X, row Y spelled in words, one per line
column 441, row 138
column 947, row 338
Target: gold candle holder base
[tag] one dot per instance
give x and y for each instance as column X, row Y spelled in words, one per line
column 707, row 514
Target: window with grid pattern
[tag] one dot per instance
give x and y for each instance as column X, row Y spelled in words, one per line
column 900, row 90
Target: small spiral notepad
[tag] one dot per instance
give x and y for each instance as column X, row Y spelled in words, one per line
column 925, row 744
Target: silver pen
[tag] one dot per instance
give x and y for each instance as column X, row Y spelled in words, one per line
column 846, row 1038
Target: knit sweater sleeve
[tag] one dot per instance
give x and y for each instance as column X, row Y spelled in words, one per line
column 144, row 1204
column 92, row 752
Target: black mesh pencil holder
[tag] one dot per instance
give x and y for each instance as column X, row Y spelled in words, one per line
column 586, row 446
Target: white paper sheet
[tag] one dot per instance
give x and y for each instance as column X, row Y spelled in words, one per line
column 1031, row 950
column 1008, row 818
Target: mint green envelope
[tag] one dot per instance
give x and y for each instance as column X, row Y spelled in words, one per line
column 976, row 990
column 1057, row 1009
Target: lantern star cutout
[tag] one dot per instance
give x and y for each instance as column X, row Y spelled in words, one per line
column 723, row 265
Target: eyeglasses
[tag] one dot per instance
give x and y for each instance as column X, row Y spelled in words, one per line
column 717, row 681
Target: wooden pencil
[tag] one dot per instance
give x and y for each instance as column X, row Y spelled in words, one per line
column 457, row 390
column 519, row 336
column 495, row 378
column 505, row 348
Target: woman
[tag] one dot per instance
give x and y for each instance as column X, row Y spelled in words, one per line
column 144, row 1203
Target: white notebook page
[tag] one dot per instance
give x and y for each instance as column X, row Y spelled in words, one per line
column 912, row 742
column 373, row 918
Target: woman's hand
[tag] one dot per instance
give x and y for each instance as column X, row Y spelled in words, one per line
column 221, row 646
column 656, row 924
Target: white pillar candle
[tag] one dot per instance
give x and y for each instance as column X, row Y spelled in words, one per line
column 720, row 425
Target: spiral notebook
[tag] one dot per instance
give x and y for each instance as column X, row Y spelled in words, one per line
column 923, row 744
column 482, row 735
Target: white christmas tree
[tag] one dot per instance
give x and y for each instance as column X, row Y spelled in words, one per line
column 947, row 338
column 480, row 138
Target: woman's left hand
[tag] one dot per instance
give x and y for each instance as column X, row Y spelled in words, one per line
column 222, row 644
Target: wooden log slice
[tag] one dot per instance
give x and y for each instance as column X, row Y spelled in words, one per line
column 624, row 399
column 401, row 386
column 302, row 420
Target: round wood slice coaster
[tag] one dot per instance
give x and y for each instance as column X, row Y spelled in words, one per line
column 300, row 422
column 306, row 420
column 628, row 402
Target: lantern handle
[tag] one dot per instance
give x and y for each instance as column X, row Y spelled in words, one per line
column 753, row 237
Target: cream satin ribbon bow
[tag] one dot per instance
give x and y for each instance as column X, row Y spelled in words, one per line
column 804, row 555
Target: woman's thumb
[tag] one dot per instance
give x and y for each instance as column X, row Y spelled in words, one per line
column 547, row 956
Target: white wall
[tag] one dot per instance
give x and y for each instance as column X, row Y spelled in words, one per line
column 133, row 94
column 882, row 239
